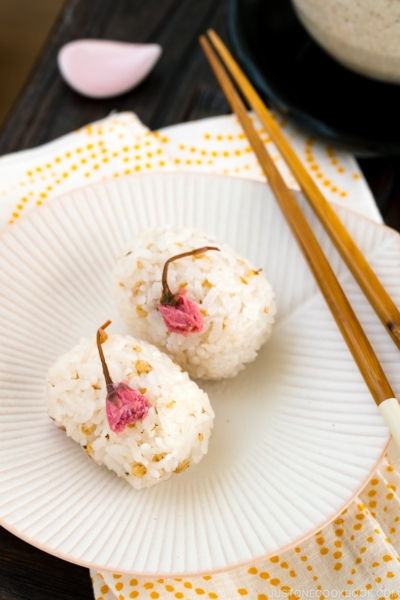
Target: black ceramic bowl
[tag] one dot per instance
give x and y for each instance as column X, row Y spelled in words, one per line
column 300, row 79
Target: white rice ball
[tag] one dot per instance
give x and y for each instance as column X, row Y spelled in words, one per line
column 173, row 435
column 235, row 299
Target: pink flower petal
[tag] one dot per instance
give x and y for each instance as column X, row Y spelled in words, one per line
column 184, row 318
column 124, row 405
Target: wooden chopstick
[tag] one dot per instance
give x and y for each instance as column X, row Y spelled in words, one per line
column 353, row 257
column 343, row 313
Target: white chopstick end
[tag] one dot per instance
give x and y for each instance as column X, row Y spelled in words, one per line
column 390, row 410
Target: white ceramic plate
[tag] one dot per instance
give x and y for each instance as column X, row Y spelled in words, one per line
column 297, row 433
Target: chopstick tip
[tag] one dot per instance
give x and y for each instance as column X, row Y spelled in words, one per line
column 205, row 44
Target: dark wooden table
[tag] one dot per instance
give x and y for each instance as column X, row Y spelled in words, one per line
column 180, row 88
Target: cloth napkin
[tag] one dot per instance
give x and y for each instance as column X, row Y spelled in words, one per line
column 357, row 555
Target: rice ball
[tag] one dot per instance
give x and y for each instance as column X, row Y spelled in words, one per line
column 234, row 299
column 173, row 435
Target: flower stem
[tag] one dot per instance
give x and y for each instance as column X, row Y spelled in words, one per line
column 167, row 297
column 100, row 333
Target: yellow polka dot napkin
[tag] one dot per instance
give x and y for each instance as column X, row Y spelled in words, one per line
column 218, row 145
column 114, row 147
column 120, row 145
column 358, row 554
